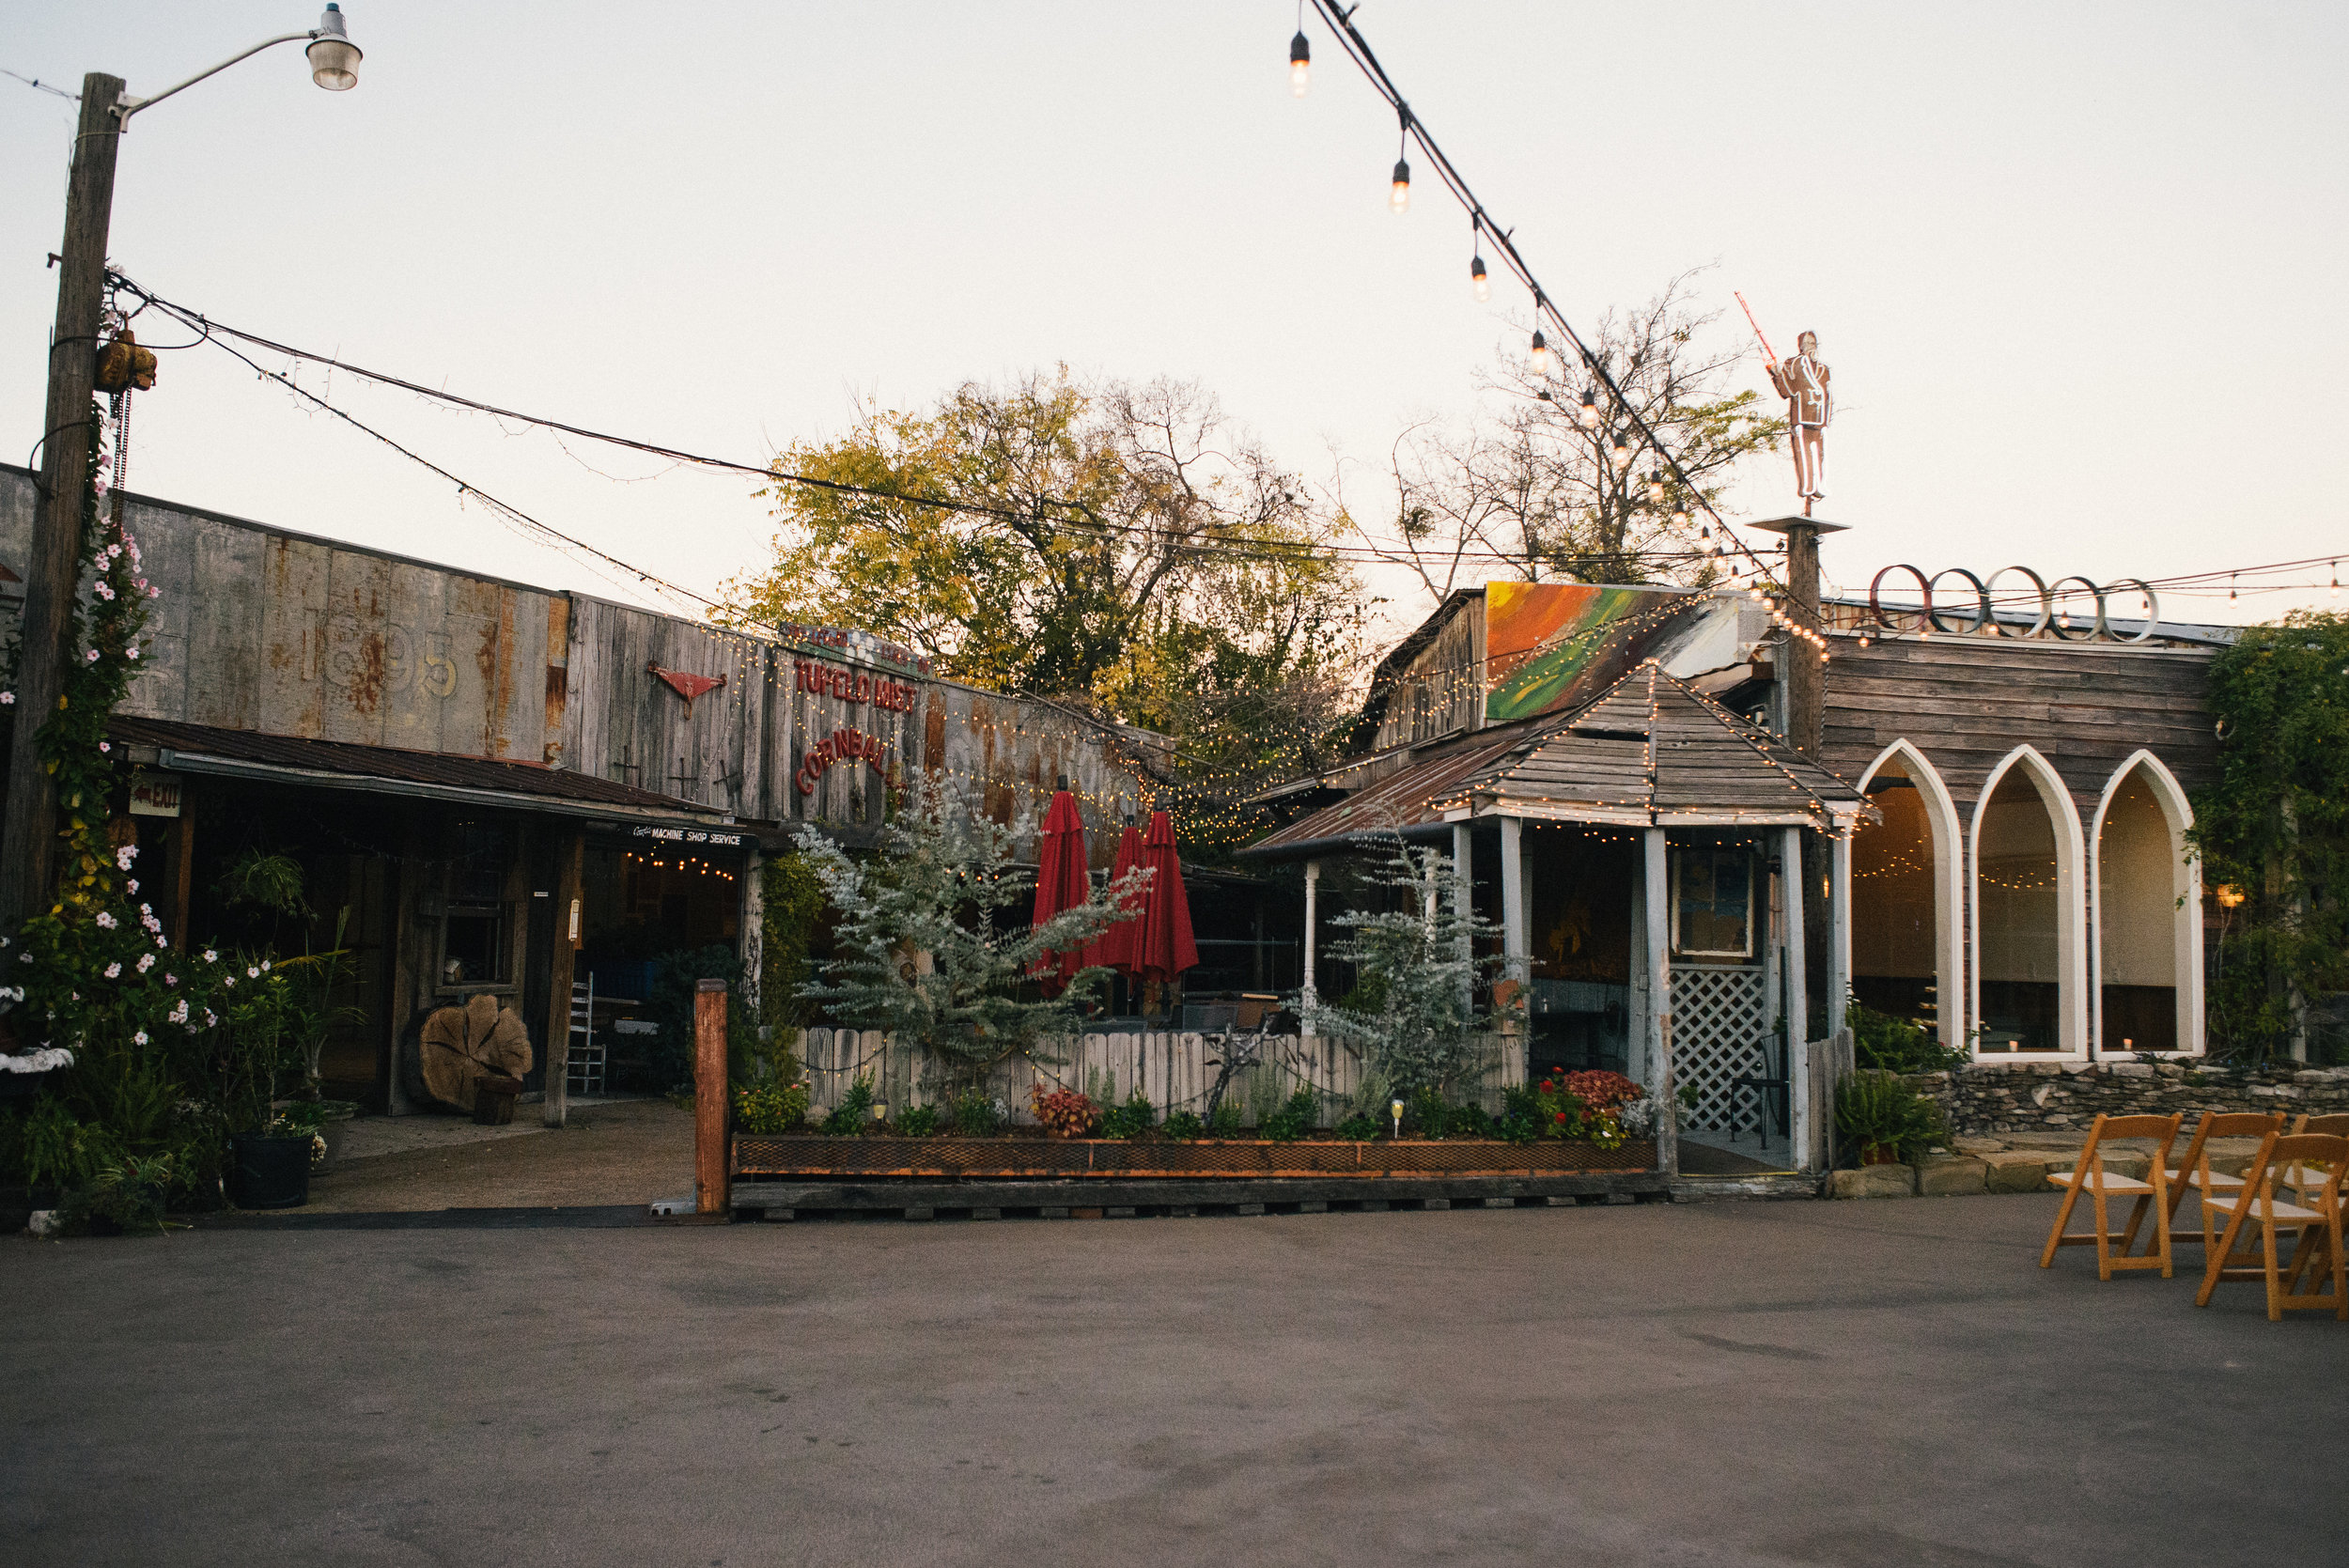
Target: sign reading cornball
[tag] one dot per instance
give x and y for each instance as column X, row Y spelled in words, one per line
column 852, row 686
column 850, row 744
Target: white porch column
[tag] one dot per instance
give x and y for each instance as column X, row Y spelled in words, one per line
column 1797, row 1000
column 1659, row 1019
column 1517, row 943
column 1838, row 926
column 1313, row 923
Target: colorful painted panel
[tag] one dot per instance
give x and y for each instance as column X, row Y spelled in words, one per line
column 1551, row 644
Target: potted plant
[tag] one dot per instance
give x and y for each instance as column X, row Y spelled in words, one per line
column 268, row 1150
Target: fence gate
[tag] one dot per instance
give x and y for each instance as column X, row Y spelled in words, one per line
column 1720, row 1023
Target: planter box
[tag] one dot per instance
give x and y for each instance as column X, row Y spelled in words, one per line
column 997, row 1159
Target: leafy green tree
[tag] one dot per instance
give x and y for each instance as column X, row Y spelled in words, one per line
column 1414, row 1014
column 931, row 944
column 2273, row 834
column 1138, row 555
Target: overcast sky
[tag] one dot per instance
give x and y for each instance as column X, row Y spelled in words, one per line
column 2076, row 267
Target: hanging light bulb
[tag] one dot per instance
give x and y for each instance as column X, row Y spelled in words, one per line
column 1541, row 353
column 1301, row 64
column 1590, row 408
column 1620, row 449
column 2333, row 592
column 1400, row 196
column 1478, row 281
column 1656, row 486
column 2231, row 594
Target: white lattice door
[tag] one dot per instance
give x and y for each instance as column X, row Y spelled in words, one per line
column 1720, row 1029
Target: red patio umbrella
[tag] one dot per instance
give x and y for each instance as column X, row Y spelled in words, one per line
column 1162, row 946
column 1116, row 947
column 1061, row 881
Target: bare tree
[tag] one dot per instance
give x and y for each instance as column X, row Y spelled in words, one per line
column 1562, row 480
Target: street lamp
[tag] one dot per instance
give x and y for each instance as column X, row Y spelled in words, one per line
column 51, row 572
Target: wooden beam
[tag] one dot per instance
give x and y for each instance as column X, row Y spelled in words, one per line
column 1659, row 1003
column 569, row 879
column 183, row 870
column 712, row 1160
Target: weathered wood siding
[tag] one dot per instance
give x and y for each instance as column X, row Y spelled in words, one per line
column 1175, row 1071
column 1967, row 702
column 1442, row 688
column 621, row 721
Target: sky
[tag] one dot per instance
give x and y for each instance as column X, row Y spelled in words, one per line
column 2076, row 267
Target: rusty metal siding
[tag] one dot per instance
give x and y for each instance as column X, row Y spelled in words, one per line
column 622, row 722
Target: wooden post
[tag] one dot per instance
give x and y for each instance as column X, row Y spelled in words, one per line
column 1464, row 901
column 1659, row 1003
column 28, row 826
column 1839, row 927
column 184, row 873
column 712, row 1159
column 568, row 881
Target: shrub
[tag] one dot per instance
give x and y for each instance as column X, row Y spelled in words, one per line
column 1184, row 1126
column 855, row 1111
column 1425, row 1114
column 1360, row 1127
column 1895, row 1044
column 1294, row 1118
column 1876, row 1112
column 1471, row 1121
column 125, row 1198
column 770, row 1109
column 1133, row 1119
column 919, row 1121
column 1063, row 1112
column 974, row 1114
column 1225, row 1122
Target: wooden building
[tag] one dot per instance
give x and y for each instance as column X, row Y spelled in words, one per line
column 1994, row 826
column 498, row 788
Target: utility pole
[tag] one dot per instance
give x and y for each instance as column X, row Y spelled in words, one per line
column 28, row 832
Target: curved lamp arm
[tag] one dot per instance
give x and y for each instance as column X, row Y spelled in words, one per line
column 330, row 28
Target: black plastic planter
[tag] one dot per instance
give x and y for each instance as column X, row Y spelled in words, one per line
column 269, row 1173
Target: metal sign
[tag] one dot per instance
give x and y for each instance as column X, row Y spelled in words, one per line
column 154, row 794
column 1984, row 621
column 687, row 835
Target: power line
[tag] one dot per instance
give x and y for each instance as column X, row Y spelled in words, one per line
column 37, row 82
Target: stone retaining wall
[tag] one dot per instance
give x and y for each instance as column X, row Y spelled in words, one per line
column 2030, row 1096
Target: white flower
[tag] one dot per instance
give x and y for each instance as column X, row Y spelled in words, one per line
column 102, row 589
column 106, row 921
column 228, row 980
column 154, row 593
column 208, row 1019
column 265, row 965
column 113, row 971
column 170, row 979
column 210, row 957
column 140, row 1038
column 129, row 653
column 146, row 961
column 178, row 1014
column 91, row 656
column 132, row 886
column 8, row 698
column 124, row 856
column 253, row 974
column 105, row 746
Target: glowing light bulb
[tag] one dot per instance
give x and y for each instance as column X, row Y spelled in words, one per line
column 1656, row 486
column 1540, row 354
column 1400, row 196
column 1300, row 64
column 1620, row 449
column 1590, row 408
column 1477, row 280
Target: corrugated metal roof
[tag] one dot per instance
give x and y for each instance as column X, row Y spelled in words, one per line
column 1401, row 800
column 386, row 762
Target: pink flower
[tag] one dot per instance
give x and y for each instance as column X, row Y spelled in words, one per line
column 93, row 656
column 6, row 699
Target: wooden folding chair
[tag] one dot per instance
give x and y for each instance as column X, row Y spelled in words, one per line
column 2315, row 1229
column 2185, row 1172
column 2090, row 1176
column 2305, row 1178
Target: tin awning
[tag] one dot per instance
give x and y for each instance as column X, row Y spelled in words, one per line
column 390, row 771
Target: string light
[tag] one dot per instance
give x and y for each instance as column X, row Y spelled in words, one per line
column 1620, row 449
column 1300, row 60
column 1399, row 196
column 1540, row 354
column 1588, row 414
column 1481, row 284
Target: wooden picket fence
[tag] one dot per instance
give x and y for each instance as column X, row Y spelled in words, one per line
column 1175, row 1071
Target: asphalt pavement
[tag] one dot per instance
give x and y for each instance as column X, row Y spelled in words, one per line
column 1855, row 1385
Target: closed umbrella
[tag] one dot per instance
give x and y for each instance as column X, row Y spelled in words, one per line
column 1116, row 948
column 1061, row 881
column 1163, row 948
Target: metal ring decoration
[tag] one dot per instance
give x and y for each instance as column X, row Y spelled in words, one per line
column 1876, row 600
column 2153, row 608
column 1982, row 600
column 2096, row 629
column 2047, row 605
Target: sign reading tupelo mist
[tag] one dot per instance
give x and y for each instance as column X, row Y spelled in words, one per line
column 852, row 686
column 2053, row 618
